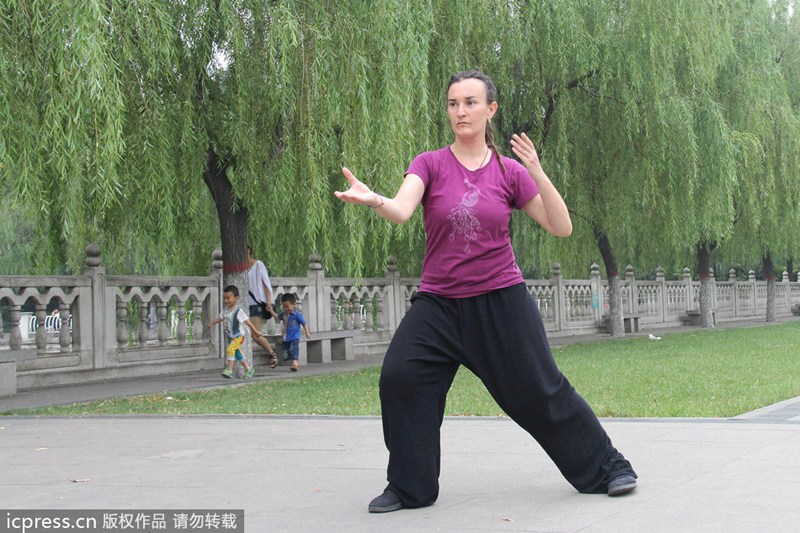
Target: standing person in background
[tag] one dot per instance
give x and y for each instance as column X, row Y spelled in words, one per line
column 260, row 301
column 473, row 309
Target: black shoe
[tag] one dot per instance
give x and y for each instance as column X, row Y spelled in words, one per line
column 385, row 503
column 621, row 485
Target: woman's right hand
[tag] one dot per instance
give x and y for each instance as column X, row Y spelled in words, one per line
column 358, row 193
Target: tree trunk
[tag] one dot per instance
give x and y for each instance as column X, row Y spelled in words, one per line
column 704, row 273
column 615, row 324
column 789, row 268
column 233, row 215
column 769, row 274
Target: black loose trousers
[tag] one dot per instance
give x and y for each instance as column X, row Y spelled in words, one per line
column 500, row 337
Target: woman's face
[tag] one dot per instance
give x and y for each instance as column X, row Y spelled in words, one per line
column 468, row 107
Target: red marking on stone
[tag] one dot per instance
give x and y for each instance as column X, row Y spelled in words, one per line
column 231, row 268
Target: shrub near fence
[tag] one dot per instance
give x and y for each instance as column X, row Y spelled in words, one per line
column 129, row 326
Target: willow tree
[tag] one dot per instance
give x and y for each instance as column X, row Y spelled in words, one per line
column 125, row 122
column 612, row 91
column 766, row 119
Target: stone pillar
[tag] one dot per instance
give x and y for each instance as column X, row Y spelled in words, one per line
column 213, row 304
column 633, row 293
column 318, row 316
column 787, row 297
column 712, row 276
column 394, row 307
column 598, row 303
column 559, row 298
column 732, row 279
column 662, row 293
column 687, row 280
column 753, row 287
column 99, row 328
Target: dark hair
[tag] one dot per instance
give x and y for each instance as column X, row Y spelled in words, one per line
column 491, row 97
column 289, row 297
column 232, row 289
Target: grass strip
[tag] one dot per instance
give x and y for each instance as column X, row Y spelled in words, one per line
column 700, row 373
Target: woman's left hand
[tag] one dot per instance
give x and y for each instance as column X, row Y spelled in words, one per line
column 523, row 148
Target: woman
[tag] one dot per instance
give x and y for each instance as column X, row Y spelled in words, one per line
column 473, row 309
column 260, row 291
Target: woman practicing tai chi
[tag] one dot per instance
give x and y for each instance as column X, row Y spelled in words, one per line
column 473, row 309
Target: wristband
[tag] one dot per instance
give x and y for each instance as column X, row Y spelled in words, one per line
column 377, row 206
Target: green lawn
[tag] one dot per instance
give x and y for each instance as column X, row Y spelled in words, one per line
column 694, row 374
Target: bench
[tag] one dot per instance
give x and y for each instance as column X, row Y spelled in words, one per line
column 8, row 369
column 694, row 318
column 322, row 347
column 629, row 321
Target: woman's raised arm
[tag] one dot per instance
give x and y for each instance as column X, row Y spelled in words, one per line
column 397, row 209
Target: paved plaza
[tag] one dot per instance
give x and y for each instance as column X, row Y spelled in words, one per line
column 317, row 473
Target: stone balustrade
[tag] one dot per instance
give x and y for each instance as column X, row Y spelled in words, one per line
column 130, row 326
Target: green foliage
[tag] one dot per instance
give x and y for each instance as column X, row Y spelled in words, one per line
column 16, row 240
column 662, row 123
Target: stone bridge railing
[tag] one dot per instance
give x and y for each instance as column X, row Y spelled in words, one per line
column 129, row 326
column 116, row 326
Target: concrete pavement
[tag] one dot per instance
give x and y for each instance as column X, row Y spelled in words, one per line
column 317, row 473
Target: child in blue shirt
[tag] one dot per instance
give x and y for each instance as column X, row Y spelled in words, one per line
column 233, row 320
column 292, row 320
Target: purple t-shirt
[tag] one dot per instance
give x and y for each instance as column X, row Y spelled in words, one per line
column 466, row 215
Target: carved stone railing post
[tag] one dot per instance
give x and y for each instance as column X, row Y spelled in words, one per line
column 212, row 305
column 753, row 286
column 633, row 293
column 395, row 307
column 316, row 313
column 96, row 327
column 787, row 296
column 687, row 280
column 712, row 276
column 597, row 293
column 662, row 293
column 732, row 279
column 559, row 298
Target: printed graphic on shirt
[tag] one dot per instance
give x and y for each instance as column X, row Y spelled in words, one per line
column 463, row 218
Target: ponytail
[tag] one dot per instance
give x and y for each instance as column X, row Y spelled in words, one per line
column 492, row 146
